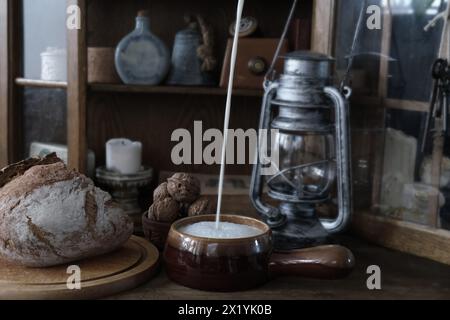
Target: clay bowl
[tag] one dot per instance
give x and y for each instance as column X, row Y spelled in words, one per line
column 240, row 264
column 154, row 231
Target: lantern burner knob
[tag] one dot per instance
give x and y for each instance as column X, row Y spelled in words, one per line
column 276, row 220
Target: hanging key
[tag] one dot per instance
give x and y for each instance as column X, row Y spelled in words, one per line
column 444, row 106
column 439, row 103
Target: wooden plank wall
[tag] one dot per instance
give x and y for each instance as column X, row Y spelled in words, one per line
column 323, row 22
column 4, row 84
column 10, row 137
column 76, row 91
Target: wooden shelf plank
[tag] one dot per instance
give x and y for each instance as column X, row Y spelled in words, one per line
column 404, row 236
column 77, row 91
column 408, row 105
column 40, row 83
column 100, row 87
column 5, row 61
column 10, row 116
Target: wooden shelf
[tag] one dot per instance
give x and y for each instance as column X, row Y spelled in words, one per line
column 408, row 105
column 100, row 87
column 173, row 90
column 40, row 83
column 404, row 236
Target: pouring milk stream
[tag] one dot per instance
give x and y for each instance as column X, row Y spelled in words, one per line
column 219, row 229
column 240, row 6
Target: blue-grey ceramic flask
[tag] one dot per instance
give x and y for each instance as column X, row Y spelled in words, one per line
column 141, row 57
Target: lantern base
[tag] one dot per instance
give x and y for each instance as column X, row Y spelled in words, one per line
column 302, row 229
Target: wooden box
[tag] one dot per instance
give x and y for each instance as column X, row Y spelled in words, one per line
column 250, row 49
column 101, row 67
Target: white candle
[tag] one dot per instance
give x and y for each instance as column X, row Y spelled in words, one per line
column 123, row 156
column 54, row 64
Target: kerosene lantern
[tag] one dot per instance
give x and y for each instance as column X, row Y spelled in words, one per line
column 312, row 140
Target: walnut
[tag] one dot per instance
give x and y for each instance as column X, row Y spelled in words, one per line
column 161, row 192
column 201, row 206
column 166, row 210
column 183, row 187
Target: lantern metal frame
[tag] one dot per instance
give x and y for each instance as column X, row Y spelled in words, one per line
column 303, row 98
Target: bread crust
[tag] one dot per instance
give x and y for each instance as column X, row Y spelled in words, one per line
column 50, row 215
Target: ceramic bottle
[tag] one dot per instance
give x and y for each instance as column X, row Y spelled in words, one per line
column 141, row 57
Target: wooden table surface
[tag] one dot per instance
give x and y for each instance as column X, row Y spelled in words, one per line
column 402, row 277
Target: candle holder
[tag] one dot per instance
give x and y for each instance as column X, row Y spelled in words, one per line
column 124, row 188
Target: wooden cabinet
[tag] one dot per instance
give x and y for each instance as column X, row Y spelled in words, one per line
column 98, row 112
column 405, row 202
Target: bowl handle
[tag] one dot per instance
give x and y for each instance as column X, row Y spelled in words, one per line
column 323, row 262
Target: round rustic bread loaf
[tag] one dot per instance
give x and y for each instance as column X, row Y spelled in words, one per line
column 50, row 215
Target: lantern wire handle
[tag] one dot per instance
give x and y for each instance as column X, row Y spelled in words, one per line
column 270, row 75
column 344, row 88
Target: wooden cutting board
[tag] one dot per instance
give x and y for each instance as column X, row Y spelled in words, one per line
column 124, row 269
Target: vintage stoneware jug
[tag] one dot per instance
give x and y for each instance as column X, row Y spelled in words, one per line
column 192, row 61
